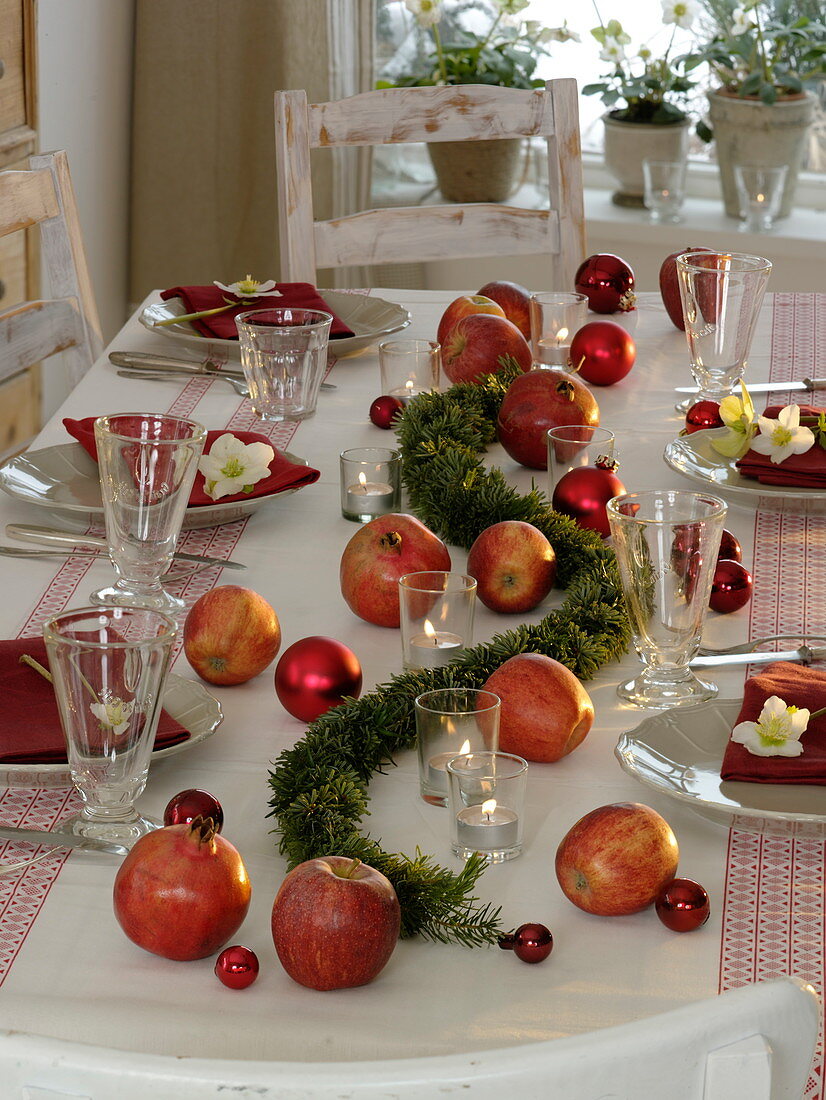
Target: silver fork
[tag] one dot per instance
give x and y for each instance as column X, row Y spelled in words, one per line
column 756, row 643
column 171, row 376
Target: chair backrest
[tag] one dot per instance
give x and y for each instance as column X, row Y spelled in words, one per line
column 68, row 322
column 754, row 1043
column 468, row 112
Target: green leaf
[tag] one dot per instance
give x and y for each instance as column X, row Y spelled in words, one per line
column 704, row 131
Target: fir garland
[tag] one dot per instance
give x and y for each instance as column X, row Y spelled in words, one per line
column 319, row 787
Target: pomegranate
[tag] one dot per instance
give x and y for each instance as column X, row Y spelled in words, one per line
column 182, row 891
column 377, row 555
column 539, row 400
column 607, row 281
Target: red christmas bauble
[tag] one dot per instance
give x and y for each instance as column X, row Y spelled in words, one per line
column 582, row 494
column 187, row 805
column 602, row 352
column 731, row 587
column 683, row 905
column 703, row 414
column 730, row 548
column 237, row 967
column 384, row 410
column 607, row 281
column 530, row 942
column 315, row 674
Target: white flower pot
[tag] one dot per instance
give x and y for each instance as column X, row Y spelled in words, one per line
column 628, row 144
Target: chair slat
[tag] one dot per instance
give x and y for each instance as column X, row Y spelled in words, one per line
column 34, row 331
column 26, row 198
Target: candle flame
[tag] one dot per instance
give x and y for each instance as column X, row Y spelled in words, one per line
column 362, row 478
column 760, row 198
column 465, row 749
column 409, row 385
column 560, row 336
column 489, row 806
column 429, row 631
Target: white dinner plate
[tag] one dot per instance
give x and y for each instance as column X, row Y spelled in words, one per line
column 679, row 753
column 187, row 701
column 65, row 480
column 369, row 318
column 694, row 456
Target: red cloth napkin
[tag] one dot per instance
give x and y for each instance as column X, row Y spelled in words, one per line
column 807, row 470
column 283, row 473
column 797, row 686
column 222, row 325
column 30, row 732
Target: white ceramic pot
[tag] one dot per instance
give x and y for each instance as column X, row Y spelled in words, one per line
column 628, row 144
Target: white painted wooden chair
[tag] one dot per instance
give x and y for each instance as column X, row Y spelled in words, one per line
column 399, row 234
column 754, row 1043
column 68, row 322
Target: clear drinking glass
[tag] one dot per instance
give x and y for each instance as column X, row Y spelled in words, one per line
column 147, row 464
column 666, row 543
column 284, row 353
column 109, row 665
column 721, row 293
column 449, row 722
column 664, row 189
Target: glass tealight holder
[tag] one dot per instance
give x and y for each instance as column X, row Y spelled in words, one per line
column 370, row 483
column 409, row 367
column 555, row 318
column 760, row 191
column 486, row 797
column 437, row 612
column 664, row 193
column 573, row 445
column 450, row 722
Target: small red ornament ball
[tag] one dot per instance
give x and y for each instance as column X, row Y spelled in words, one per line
column 730, row 548
column 582, row 494
column 731, row 588
column 602, row 352
column 607, row 281
column 385, row 409
column 701, row 415
column 530, row 942
column 683, row 905
column 237, row 967
column 316, row 674
column 187, row 805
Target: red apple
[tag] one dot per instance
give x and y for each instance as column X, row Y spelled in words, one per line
column 478, row 342
column 537, row 401
column 335, row 922
column 515, row 300
column 231, row 634
column 670, row 286
column 545, row 712
column 617, row 859
column 464, row 307
column 514, row 566
column 377, row 555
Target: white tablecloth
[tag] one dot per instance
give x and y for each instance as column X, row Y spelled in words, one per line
column 74, row 974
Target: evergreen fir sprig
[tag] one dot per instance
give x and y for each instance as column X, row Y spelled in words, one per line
column 319, row 787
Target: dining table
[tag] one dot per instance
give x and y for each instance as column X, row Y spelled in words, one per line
column 68, row 971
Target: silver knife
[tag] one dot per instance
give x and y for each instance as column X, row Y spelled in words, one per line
column 143, row 360
column 61, row 840
column 50, row 536
column 806, row 385
column 805, row 654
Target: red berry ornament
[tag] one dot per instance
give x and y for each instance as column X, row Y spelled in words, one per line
column 607, row 282
column 237, row 967
column 187, row 805
column 384, row 410
column 316, row 674
column 602, row 352
column 582, row 494
column 683, row 905
column 530, row 942
column 730, row 548
column 701, row 415
column 731, row 587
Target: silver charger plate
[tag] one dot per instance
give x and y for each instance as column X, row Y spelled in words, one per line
column 369, row 318
column 693, row 456
column 679, row 752
column 64, row 480
column 187, row 701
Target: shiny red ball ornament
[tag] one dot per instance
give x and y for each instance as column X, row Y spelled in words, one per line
column 530, row 942
column 315, row 674
column 701, row 415
column 731, row 588
column 730, row 548
column 607, row 281
column 384, row 410
column 602, row 352
column 237, row 967
column 683, row 905
column 185, row 806
column 582, row 494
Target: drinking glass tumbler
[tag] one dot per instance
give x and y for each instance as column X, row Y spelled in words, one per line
column 109, row 665
column 147, row 464
column 721, row 293
column 666, row 544
column 284, row 354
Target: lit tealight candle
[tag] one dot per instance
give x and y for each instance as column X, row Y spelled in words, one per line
column 437, row 766
column 373, row 498
column 434, row 648
column 554, row 351
column 487, row 827
column 406, row 391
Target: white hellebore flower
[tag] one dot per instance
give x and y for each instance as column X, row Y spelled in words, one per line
column 740, row 22
column 680, row 12
column 776, row 732
column 782, row 437
column 234, row 467
column 427, row 12
column 612, row 51
column 115, row 714
column 559, row 34
column 250, row 288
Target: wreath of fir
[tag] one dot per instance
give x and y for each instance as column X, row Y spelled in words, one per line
column 319, row 787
